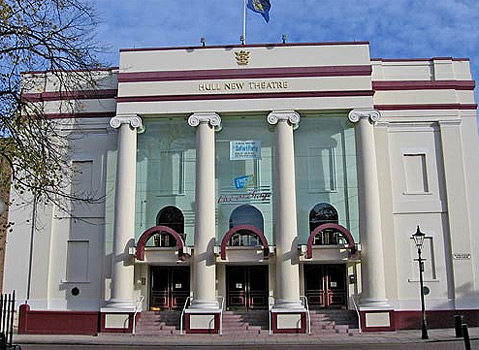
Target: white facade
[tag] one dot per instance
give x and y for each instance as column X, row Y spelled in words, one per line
column 395, row 142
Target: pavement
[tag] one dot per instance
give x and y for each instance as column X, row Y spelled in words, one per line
column 398, row 337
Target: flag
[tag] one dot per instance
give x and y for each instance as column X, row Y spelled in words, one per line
column 260, row 6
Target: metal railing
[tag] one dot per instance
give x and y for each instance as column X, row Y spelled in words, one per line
column 356, row 307
column 138, row 307
column 7, row 311
column 304, row 301
column 270, row 307
column 221, row 313
column 187, row 302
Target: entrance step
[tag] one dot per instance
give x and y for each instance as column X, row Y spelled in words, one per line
column 158, row 323
column 252, row 322
column 324, row 322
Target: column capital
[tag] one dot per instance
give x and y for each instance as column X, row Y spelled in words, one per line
column 212, row 118
column 356, row 114
column 292, row 117
column 132, row 119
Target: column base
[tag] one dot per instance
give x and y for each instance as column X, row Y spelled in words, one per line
column 374, row 303
column 121, row 304
column 117, row 316
column 204, row 305
column 377, row 320
column 292, row 319
column 203, row 321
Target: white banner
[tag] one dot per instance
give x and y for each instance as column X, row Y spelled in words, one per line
column 243, row 150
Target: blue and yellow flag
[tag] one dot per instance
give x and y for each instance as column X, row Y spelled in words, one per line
column 260, row 6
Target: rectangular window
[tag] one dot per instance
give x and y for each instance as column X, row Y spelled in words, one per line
column 77, row 261
column 321, row 169
column 415, row 169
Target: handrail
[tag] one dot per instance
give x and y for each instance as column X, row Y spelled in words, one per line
column 306, row 305
column 138, row 306
column 271, row 303
column 353, row 298
column 183, row 314
column 221, row 313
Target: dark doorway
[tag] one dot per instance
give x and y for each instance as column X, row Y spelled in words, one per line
column 247, row 287
column 325, row 286
column 170, row 286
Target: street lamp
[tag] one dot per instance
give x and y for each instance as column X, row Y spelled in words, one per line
column 419, row 241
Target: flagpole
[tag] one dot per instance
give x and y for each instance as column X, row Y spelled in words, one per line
column 243, row 41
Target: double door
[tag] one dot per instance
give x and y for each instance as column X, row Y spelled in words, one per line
column 170, row 286
column 247, row 287
column 325, row 286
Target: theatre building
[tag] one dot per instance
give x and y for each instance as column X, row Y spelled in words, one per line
column 276, row 182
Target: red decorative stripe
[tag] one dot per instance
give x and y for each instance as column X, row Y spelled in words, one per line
column 338, row 43
column 424, row 85
column 80, row 115
column 248, row 73
column 420, row 59
column 245, row 96
column 425, row 106
column 70, row 95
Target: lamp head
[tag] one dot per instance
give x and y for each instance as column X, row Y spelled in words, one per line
column 419, row 238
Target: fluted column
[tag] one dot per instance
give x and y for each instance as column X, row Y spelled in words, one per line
column 286, row 232
column 204, row 273
column 372, row 256
column 122, row 275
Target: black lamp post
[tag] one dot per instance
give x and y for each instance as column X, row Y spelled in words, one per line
column 419, row 241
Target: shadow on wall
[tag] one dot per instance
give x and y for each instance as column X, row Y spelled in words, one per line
column 442, row 318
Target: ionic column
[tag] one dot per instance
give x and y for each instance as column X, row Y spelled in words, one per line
column 122, row 276
column 372, row 256
column 204, row 274
column 286, row 232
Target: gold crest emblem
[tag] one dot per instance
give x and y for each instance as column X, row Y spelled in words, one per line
column 242, row 57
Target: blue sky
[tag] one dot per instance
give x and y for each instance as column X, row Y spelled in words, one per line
column 394, row 28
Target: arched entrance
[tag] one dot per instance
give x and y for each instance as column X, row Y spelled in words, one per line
column 169, row 285
column 246, row 285
column 325, row 284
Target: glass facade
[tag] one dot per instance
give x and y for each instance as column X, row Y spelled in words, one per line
column 325, row 156
column 325, row 160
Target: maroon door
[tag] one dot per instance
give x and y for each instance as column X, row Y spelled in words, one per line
column 170, row 286
column 325, row 285
column 247, row 287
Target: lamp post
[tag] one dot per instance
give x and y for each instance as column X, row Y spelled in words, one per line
column 419, row 241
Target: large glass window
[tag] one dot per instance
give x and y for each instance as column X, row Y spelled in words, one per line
column 244, row 152
column 326, row 177
column 166, row 177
